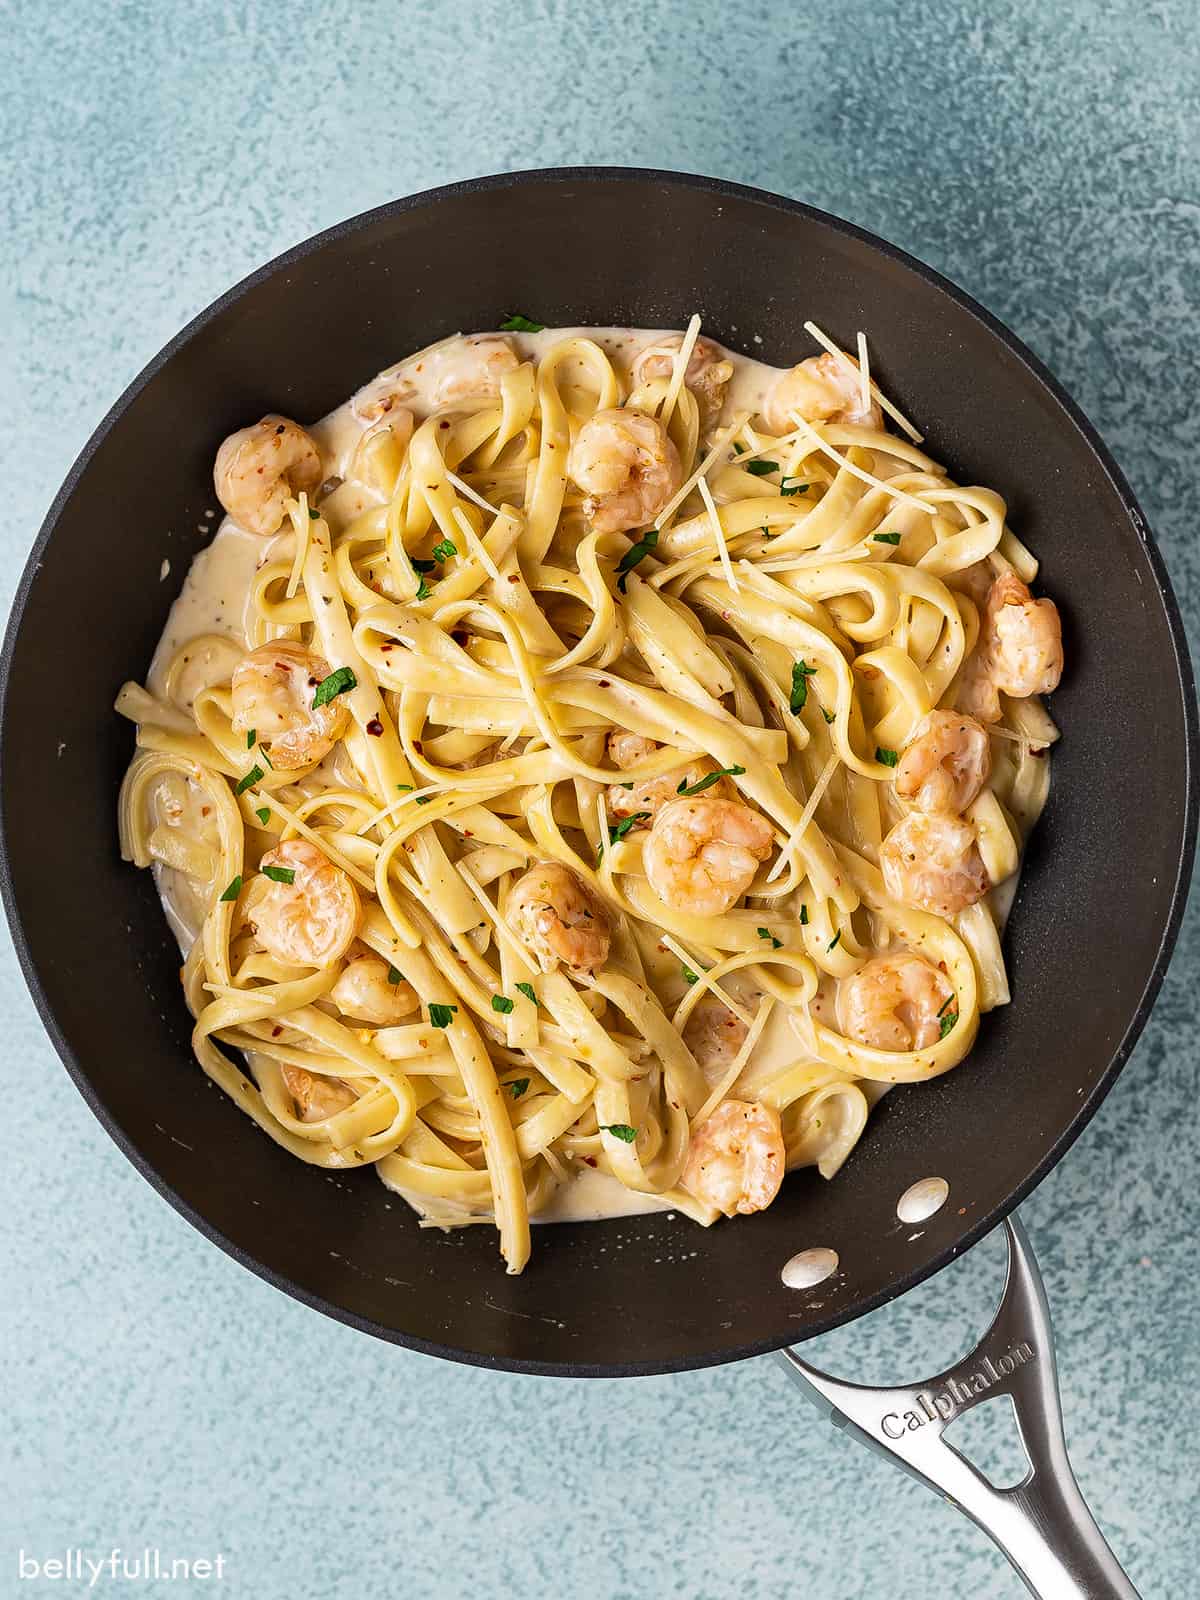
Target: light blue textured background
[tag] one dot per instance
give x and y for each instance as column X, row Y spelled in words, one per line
column 1045, row 156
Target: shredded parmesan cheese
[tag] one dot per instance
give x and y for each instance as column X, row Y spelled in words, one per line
column 856, row 472
column 734, row 1071
column 806, row 816
column 476, row 545
column 504, row 934
column 894, row 412
column 864, row 373
column 705, row 982
column 719, row 445
column 682, row 356
column 471, row 494
column 714, row 522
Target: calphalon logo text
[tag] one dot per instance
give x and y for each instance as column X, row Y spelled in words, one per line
column 945, row 1403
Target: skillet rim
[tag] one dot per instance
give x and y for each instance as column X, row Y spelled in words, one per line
column 1184, row 681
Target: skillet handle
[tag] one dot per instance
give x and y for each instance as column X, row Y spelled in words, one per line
column 1042, row 1524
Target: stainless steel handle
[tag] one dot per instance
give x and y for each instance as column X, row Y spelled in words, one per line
column 1042, row 1524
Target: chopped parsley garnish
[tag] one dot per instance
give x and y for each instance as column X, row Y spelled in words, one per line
column 263, row 814
column 761, row 469
column 945, row 1006
column 339, row 681
column 636, row 552
column 618, row 830
column 620, row 1130
column 445, row 549
column 828, row 715
column 519, row 324
column 801, row 673
column 248, row 782
column 888, row 758
column 250, row 738
column 502, row 1004
column 947, row 1024
column 407, row 786
column 835, row 941
column 765, row 933
column 313, row 515
column 393, row 976
column 804, row 916
column 424, row 799
column 886, row 538
column 234, row 889
column 791, row 486
column 528, row 991
column 422, row 566
column 280, row 874
column 423, row 590
column 262, row 752
column 690, row 977
column 707, row 781
column 517, row 1087
column 440, row 1015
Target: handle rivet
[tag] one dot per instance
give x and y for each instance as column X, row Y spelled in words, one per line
column 809, row 1267
column 921, row 1199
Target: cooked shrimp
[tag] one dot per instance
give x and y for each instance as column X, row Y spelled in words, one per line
column 369, row 990
column 946, row 762
column 316, row 1096
column 487, row 358
column 735, row 1161
column 933, row 862
column 821, row 389
column 644, row 798
column 714, row 1036
column 702, row 854
column 707, row 374
column 558, row 917
column 259, row 468
column 309, row 919
column 894, row 1003
column 1024, row 639
column 626, row 466
column 273, row 690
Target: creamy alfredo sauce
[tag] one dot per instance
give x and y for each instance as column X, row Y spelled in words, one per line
column 215, row 601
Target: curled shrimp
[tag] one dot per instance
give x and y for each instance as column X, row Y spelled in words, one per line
column 307, row 919
column 714, row 1035
column 707, row 374
column 371, row 991
column 317, row 1097
column 558, row 918
column 486, row 357
column 894, row 1003
column 626, row 466
column 1024, row 639
column 259, row 468
column 735, row 1161
column 702, row 854
column 273, row 688
column 933, row 862
column 644, row 798
column 946, row 762
column 821, row 389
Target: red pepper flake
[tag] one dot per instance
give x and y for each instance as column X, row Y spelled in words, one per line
column 375, row 727
column 514, row 577
column 591, row 1161
column 387, row 646
column 276, row 1031
column 443, row 424
column 605, row 683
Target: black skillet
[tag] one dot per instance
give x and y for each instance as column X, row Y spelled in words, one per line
column 1100, row 900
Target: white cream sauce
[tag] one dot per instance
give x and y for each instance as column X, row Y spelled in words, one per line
column 216, row 598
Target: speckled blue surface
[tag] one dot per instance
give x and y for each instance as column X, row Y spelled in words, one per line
column 1048, row 159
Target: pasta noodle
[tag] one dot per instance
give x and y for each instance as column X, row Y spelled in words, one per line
column 591, row 762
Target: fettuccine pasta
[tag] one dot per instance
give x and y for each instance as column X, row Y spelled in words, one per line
column 590, row 763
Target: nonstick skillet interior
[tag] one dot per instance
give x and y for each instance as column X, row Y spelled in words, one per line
column 1099, row 902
